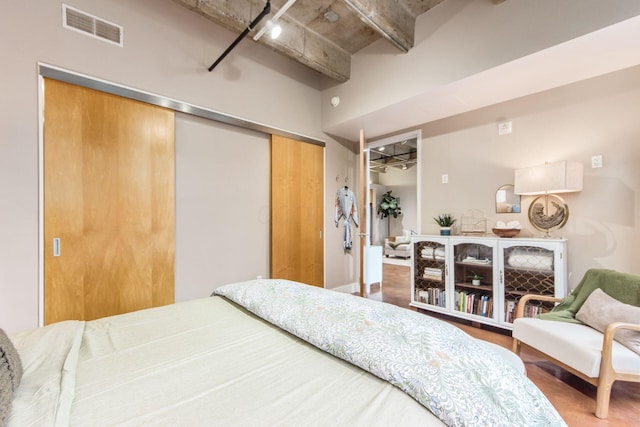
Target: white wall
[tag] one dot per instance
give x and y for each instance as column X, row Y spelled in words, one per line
column 222, row 218
column 341, row 267
column 167, row 50
column 403, row 183
column 594, row 117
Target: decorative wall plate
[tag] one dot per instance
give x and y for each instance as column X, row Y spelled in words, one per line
column 548, row 212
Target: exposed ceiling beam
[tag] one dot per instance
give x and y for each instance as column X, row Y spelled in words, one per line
column 391, row 21
column 321, row 34
column 312, row 50
column 295, row 41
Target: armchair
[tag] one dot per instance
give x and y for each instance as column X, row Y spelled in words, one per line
column 399, row 246
column 591, row 354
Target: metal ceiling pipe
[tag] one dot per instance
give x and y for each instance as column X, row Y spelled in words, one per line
column 265, row 12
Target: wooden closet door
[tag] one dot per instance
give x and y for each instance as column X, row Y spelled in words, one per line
column 297, row 211
column 109, row 196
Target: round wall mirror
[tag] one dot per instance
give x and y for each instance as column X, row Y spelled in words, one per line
column 506, row 200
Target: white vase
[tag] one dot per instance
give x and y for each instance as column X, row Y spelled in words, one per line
column 475, row 282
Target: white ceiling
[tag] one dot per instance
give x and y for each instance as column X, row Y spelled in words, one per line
column 607, row 50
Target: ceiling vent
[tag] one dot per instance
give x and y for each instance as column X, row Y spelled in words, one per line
column 85, row 23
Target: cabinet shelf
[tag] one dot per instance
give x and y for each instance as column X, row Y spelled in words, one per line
column 515, row 292
column 430, row 280
column 508, row 267
column 483, row 265
column 530, row 271
column 474, row 287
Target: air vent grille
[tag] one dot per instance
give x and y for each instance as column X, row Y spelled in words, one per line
column 75, row 19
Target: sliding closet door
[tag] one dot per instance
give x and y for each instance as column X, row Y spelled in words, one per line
column 109, row 207
column 297, row 189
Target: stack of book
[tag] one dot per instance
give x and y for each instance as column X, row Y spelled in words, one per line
column 433, row 296
column 529, row 310
column 510, row 310
column 474, row 303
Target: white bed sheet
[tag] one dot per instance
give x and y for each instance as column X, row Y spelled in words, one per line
column 208, row 362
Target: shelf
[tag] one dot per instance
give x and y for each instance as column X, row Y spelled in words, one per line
column 533, row 271
column 486, row 288
column 431, row 282
column 474, row 317
column 430, row 261
column 514, row 292
column 519, row 293
column 475, row 264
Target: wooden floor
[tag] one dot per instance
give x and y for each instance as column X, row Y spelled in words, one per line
column 572, row 397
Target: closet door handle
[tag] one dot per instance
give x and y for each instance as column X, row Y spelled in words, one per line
column 56, row 246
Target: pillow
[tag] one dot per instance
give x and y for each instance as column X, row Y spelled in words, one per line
column 599, row 310
column 10, row 375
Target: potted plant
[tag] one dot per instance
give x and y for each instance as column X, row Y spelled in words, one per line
column 475, row 279
column 445, row 221
column 389, row 206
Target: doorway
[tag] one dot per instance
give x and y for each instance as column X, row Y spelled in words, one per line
column 393, row 173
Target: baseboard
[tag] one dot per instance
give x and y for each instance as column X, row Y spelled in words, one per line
column 349, row 288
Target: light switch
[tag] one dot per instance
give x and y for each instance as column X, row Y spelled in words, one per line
column 596, row 161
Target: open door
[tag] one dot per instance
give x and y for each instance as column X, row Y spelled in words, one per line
column 364, row 188
column 391, row 163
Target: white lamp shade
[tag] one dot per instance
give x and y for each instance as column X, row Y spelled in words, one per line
column 550, row 178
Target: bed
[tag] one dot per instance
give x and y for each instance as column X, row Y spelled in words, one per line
column 268, row 353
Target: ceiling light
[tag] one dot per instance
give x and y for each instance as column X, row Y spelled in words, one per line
column 404, row 167
column 277, row 16
column 275, row 31
column 381, row 149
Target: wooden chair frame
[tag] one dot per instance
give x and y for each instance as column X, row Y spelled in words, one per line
column 607, row 375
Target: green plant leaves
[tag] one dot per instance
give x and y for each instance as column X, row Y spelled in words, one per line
column 389, row 206
column 444, row 220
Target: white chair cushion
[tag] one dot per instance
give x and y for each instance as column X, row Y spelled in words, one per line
column 573, row 344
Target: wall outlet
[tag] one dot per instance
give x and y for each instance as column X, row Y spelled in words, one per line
column 596, row 161
column 445, row 178
column 259, row 278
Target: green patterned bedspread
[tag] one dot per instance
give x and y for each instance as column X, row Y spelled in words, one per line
column 439, row 365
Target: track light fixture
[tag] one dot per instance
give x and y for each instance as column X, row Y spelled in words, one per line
column 271, row 25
